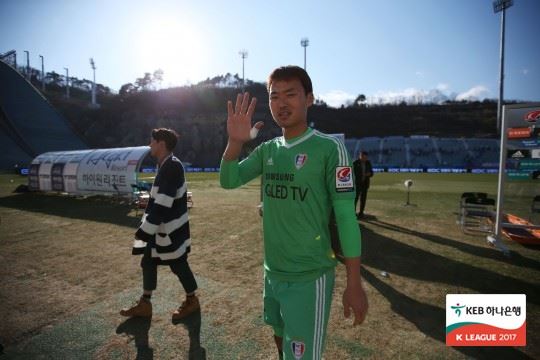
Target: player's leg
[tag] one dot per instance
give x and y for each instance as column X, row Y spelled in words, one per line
column 187, row 279
column 272, row 313
column 305, row 307
column 149, row 268
column 143, row 307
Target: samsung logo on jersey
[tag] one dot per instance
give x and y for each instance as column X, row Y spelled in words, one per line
column 279, row 177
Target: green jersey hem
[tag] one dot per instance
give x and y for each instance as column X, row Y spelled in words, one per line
column 297, row 277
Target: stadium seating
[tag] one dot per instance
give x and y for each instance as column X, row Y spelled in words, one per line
column 422, row 153
column 371, row 145
column 483, row 153
column 394, row 151
column 30, row 120
column 427, row 152
column 350, row 145
column 453, row 152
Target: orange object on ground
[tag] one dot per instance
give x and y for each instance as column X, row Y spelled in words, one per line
column 522, row 236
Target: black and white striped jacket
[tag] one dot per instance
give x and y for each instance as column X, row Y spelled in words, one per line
column 165, row 224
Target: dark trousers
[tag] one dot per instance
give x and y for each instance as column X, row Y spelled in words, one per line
column 361, row 192
column 180, row 267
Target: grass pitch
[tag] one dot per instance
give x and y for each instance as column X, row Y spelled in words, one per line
column 66, row 269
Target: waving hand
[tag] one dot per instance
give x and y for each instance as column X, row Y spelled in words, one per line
column 239, row 126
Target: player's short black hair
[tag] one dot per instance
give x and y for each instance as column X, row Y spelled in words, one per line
column 290, row 72
column 364, row 153
column 168, row 135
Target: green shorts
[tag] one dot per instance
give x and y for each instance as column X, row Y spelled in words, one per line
column 298, row 312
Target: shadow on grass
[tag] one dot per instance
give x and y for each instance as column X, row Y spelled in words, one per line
column 192, row 324
column 431, row 321
column 138, row 328
column 485, row 252
column 399, row 258
column 97, row 208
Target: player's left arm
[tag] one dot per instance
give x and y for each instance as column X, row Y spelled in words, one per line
column 342, row 196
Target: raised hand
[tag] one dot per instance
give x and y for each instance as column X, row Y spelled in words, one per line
column 239, row 126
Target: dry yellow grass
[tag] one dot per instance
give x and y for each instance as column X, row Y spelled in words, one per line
column 59, row 256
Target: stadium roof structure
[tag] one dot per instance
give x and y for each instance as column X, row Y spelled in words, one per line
column 29, row 124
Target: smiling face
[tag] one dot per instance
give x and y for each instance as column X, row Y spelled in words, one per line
column 288, row 104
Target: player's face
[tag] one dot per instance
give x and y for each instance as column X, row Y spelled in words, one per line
column 154, row 148
column 289, row 103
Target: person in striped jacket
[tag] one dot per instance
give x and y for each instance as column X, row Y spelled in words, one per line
column 163, row 237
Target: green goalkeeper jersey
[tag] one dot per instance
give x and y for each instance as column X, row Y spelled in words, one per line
column 302, row 179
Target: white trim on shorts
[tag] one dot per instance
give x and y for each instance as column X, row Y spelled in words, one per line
column 320, row 301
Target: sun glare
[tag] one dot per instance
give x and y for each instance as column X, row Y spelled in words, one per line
column 175, row 47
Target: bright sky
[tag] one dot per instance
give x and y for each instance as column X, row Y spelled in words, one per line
column 386, row 49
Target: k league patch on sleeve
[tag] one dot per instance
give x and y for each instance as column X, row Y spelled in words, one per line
column 344, row 181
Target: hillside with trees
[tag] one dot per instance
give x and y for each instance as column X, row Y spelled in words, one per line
column 198, row 113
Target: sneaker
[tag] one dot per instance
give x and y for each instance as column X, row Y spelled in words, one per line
column 189, row 306
column 142, row 308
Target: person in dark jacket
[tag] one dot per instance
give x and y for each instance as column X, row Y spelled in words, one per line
column 163, row 237
column 363, row 171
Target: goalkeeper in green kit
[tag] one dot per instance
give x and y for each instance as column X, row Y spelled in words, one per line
column 305, row 175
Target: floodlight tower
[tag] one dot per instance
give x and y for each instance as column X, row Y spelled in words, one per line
column 27, row 64
column 305, row 43
column 93, row 65
column 501, row 6
column 67, row 82
column 243, row 54
column 42, row 74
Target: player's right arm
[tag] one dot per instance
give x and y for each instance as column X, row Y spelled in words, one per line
column 233, row 174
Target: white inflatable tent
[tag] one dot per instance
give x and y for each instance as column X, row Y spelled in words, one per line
column 84, row 172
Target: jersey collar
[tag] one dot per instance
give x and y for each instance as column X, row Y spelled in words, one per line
column 297, row 140
column 165, row 159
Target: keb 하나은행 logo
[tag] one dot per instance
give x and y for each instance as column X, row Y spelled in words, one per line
column 486, row 320
column 457, row 309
